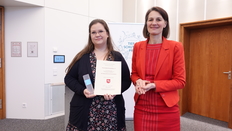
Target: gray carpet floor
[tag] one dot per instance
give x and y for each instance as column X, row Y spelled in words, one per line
column 189, row 122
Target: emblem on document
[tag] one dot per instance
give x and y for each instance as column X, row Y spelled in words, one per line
column 107, row 80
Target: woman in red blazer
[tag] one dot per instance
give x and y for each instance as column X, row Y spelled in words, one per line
column 158, row 71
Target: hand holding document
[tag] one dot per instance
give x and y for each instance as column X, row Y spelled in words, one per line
column 108, row 78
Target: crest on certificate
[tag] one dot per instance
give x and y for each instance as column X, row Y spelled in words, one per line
column 107, row 80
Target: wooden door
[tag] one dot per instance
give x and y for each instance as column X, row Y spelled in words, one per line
column 208, row 53
column 2, row 68
column 210, row 56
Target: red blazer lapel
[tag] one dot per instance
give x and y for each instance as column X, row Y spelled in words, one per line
column 164, row 51
column 142, row 51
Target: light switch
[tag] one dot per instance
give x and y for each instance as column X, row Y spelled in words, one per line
column 54, row 71
column 55, row 49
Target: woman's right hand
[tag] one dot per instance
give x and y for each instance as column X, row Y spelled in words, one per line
column 139, row 84
column 88, row 94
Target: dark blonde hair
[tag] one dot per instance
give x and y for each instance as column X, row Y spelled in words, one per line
column 90, row 46
column 164, row 14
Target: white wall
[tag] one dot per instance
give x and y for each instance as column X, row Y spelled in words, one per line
column 59, row 24
column 24, row 75
column 69, row 35
column 218, row 9
column 179, row 11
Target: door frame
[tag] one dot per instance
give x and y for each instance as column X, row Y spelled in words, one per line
column 2, row 68
column 184, row 37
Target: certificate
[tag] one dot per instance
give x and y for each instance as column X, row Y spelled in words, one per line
column 108, row 78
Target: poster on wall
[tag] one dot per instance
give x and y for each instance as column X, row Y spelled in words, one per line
column 124, row 36
column 16, row 49
column 32, row 49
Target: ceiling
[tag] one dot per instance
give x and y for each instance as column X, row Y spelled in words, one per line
column 13, row 3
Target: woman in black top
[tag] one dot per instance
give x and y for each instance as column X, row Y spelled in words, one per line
column 89, row 112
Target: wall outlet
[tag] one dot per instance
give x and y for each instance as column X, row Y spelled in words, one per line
column 24, row 105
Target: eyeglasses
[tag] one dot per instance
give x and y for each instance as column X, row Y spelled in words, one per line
column 99, row 32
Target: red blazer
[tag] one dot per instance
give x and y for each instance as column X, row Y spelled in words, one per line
column 169, row 75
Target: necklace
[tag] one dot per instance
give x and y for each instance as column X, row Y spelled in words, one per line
column 100, row 55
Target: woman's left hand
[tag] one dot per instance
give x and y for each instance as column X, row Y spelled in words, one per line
column 148, row 87
column 108, row 97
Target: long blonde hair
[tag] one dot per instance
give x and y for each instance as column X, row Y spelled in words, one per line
column 90, row 46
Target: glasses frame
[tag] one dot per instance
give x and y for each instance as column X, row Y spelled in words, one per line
column 100, row 32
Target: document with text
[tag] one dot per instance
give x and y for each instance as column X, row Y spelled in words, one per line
column 108, row 78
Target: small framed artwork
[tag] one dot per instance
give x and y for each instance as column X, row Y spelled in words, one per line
column 16, row 49
column 32, row 49
column 58, row 58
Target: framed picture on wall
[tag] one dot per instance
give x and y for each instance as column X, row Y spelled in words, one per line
column 16, row 49
column 32, row 49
